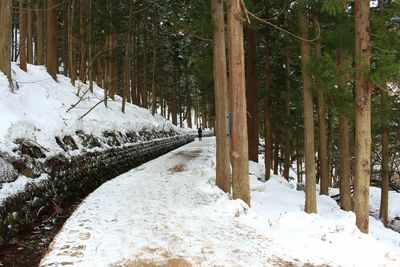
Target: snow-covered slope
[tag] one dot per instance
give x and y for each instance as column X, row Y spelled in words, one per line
column 37, row 110
column 169, row 211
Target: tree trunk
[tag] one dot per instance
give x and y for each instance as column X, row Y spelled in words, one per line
column 310, row 204
column 174, row 89
column 66, row 39
column 344, row 145
column 251, row 94
column 83, row 40
column 385, row 168
column 91, row 56
column 322, row 135
column 51, row 40
column 276, row 151
column 134, row 62
column 383, row 211
column 29, row 43
column 136, row 68
column 288, row 134
column 71, row 44
column 267, row 108
column 154, row 78
column 39, row 34
column 239, row 145
column 22, row 36
column 145, row 67
column 223, row 177
column 363, row 90
column 5, row 37
column 127, row 58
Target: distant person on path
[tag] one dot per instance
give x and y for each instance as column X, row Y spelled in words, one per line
column 200, row 132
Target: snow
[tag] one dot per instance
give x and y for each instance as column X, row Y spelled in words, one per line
column 169, row 210
column 9, row 189
column 37, row 110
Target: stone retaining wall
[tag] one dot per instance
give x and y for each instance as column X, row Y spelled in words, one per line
column 77, row 176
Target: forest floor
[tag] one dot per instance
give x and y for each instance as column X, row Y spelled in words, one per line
column 168, row 212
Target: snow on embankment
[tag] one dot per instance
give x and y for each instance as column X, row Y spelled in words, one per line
column 40, row 109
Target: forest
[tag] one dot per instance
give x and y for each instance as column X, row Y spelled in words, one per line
column 312, row 85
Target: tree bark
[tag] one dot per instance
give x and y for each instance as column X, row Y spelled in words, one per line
column 239, row 145
column 66, row 39
column 91, row 57
column 322, row 134
column 174, row 102
column 267, row 108
column 344, row 145
column 276, row 151
column 251, row 93
column 145, row 67
column 5, row 37
column 39, row 34
column 385, row 168
column 363, row 90
column 154, row 75
column 127, row 59
column 22, row 36
column 383, row 211
column 71, row 44
column 29, row 25
column 51, row 40
column 83, row 40
column 310, row 203
column 223, row 177
column 288, row 133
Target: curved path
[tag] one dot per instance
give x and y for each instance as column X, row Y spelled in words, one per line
column 164, row 213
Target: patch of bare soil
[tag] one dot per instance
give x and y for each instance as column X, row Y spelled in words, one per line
column 188, row 154
column 177, row 168
column 177, row 262
column 282, row 263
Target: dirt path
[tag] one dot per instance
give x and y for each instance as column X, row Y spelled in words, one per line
column 165, row 213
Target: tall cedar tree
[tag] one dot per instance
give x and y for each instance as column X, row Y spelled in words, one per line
column 237, row 84
column 322, row 130
column 223, row 177
column 267, row 107
column 344, row 139
column 363, row 90
column 251, row 93
column 311, row 203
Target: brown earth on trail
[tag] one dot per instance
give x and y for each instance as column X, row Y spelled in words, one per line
column 177, row 262
column 177, row 168
column 189, row 154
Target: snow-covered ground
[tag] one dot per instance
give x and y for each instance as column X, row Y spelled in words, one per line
column 39, row 109
column 169, row 211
